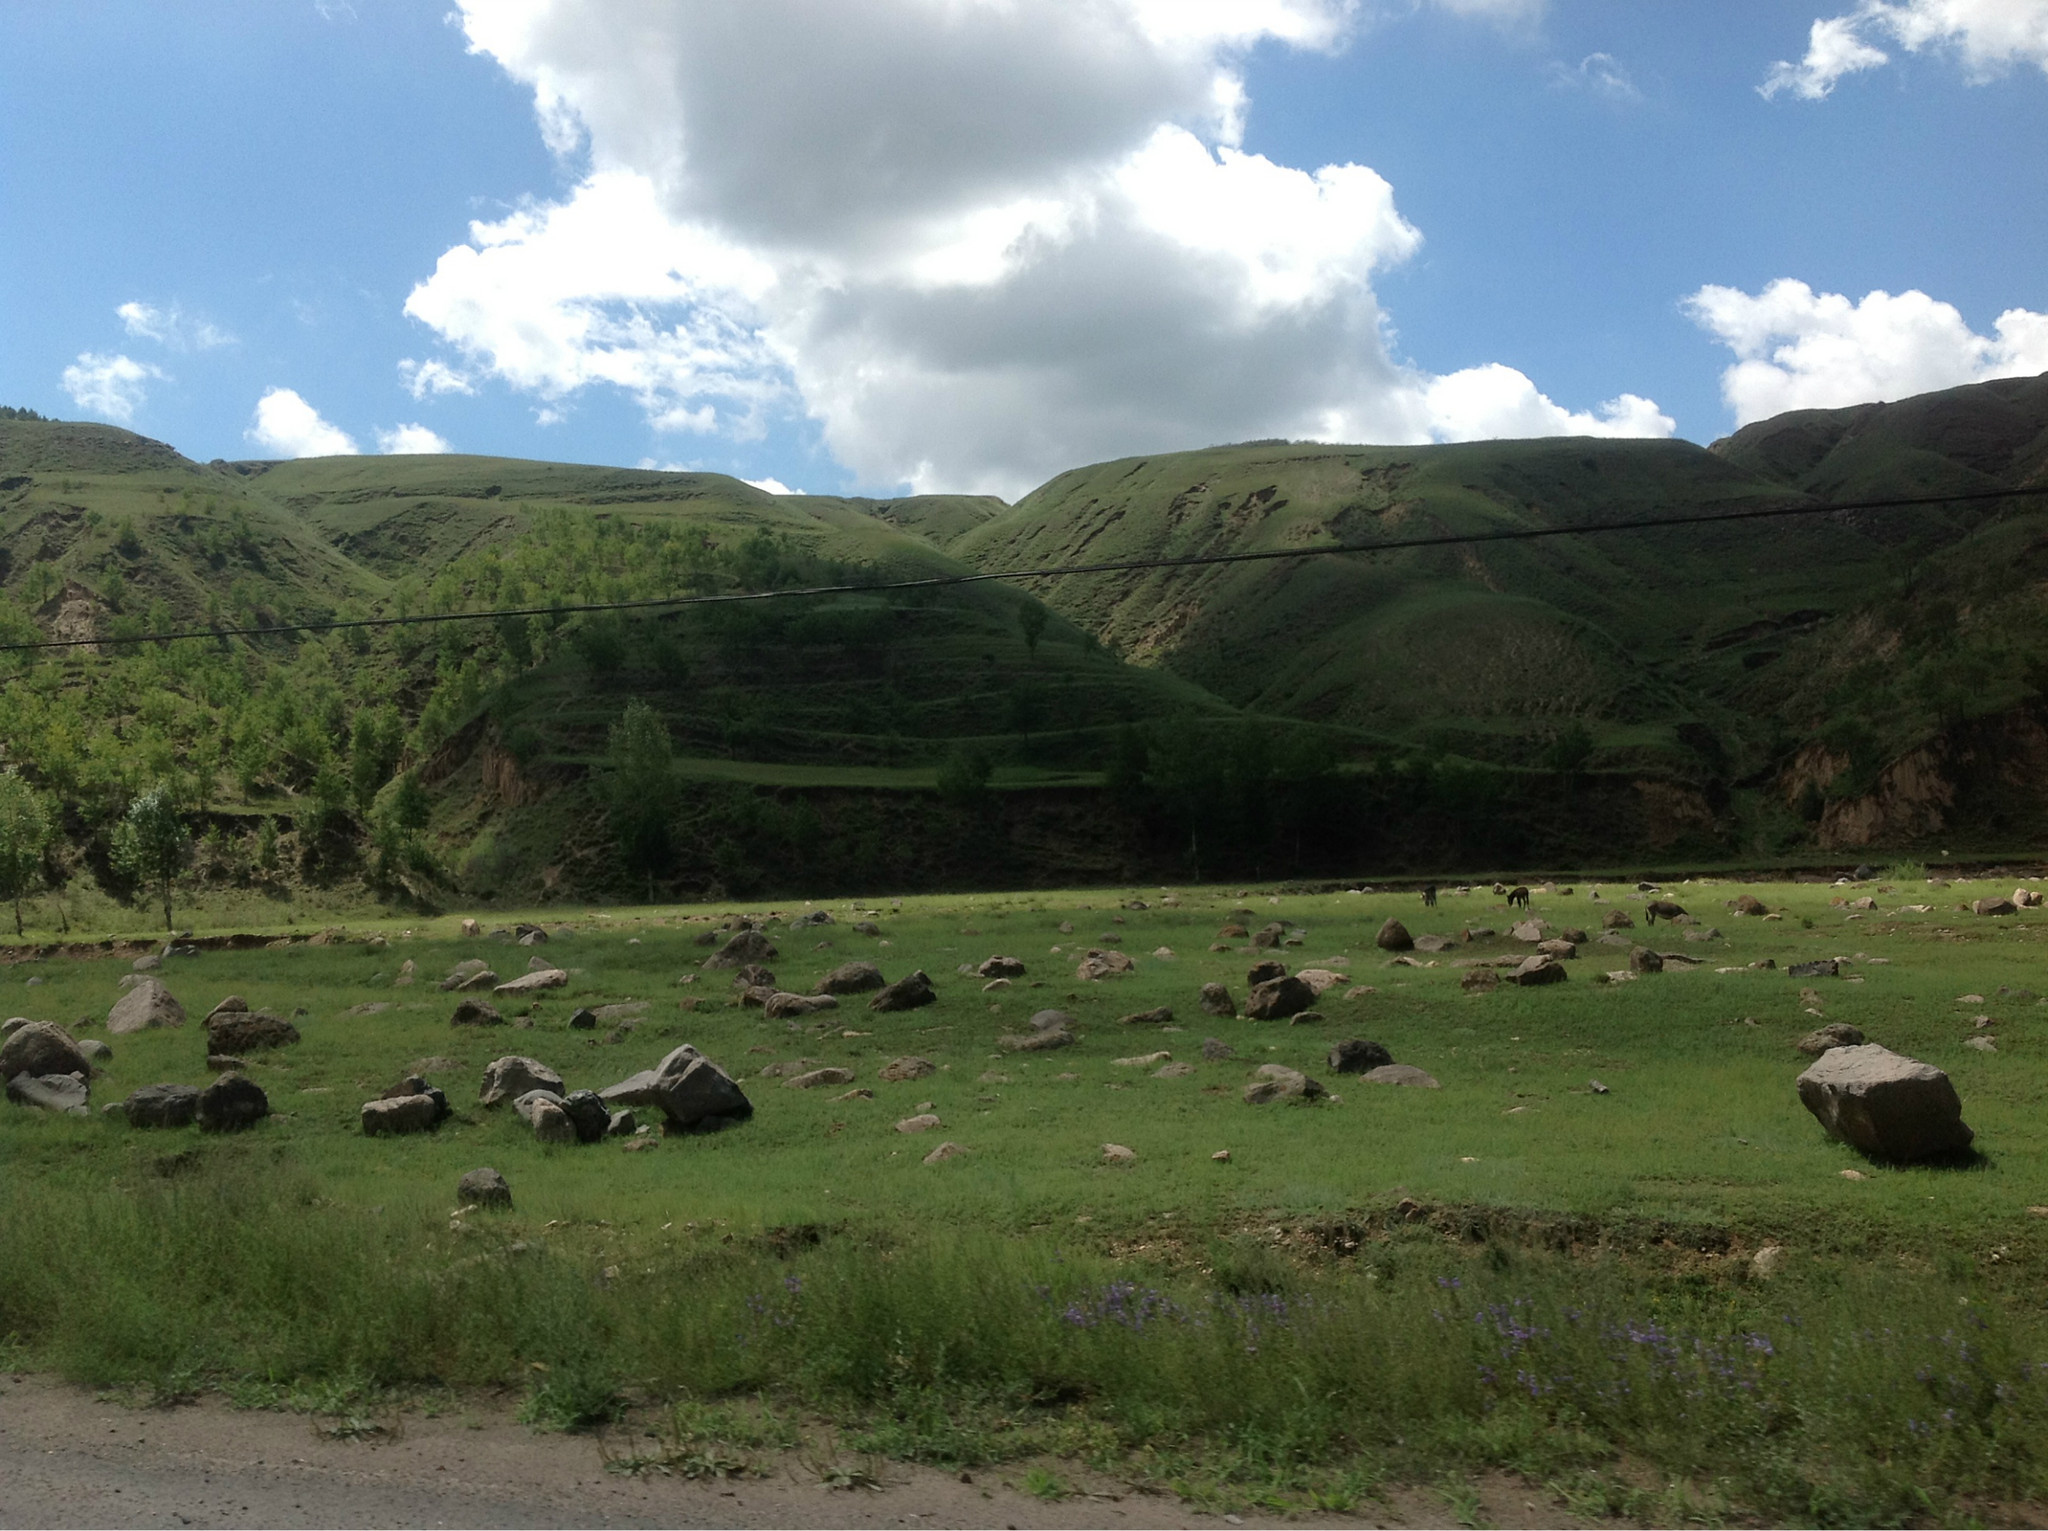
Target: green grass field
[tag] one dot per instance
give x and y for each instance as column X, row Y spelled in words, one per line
column 995, row 1305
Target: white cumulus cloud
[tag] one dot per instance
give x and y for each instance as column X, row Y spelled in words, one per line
column 1800, row 349
column 1483, row 403
column 405, row 440
column 1987, row 36
column 287, row 426
column 171, row 327
column 770, row 486
column 976, row 241
column 422, row 378
column 112, row 387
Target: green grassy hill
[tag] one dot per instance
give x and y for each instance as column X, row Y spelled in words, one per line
column 1758, row 689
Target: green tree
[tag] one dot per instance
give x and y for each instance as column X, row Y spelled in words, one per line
column 24, row 833
column 151, row 844
column 1031, row 618
column 640, row 789
column 964, row 775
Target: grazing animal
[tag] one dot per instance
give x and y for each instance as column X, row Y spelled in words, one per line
column 1518, row 896
column 1429, row 896
column 1661, row 908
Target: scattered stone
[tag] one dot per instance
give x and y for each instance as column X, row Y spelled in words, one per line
column 1982, row 1044
column 510, row 1077
column 817, row 1077
column 1001, row 967
column 1100, row 964
column 1215, row 1049
column 743, row 947
column 1994, row 906
column 589, row 1114
column 1434, row 943
column 1768, row 1261
column 851, row 978
column 753, row 976
column 1663, row 909
column 911, row 992
column 923, row 1122
column 1354, row 1056
column 162, row 1105
column 551, row 1124
column 62, row 1094
column 1479, row 980
column 1216, row 1000
column 533, row 983
column 1885, row 1105
column 1266, row 971
column 1642, row 960
column 1401, row 1074
column 782, row 1005
column 1270, row 936
column 1597, row 1087
column 248, row 1031
column 41, row 1047
column 1173, row 1071
column 1116, row 1153
column 232, row 1103
column 1320, row 980
column 1144, row 1061
column 1530, row 931
column 903, row 1070
column 1278, row 998
column 1162, row 1016
column 1276, row 1081
column 1393, row 937
column 695, row 1094
column 394, row 1116
column 584, row 1019
column 1825, row 967
column 1221, row 1156
column 1539, row 969
column 463, row 972
column 1834, row 1034
column 147, row 1005
column 944, row 1152
column 224, row 1063
column 474, row 1012
column 1559, row 948
column 484, row 1188
column 1037, row 1041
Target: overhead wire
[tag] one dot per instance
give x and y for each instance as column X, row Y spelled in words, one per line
column 1054, row 571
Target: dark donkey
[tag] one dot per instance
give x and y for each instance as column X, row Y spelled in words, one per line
column 1518, row 896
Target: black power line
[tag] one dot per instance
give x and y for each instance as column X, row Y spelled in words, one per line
column 1114, row 566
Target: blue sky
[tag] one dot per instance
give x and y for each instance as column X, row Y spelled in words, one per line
column 954, row 245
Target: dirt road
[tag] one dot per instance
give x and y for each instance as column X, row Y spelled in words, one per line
column 71, row 1458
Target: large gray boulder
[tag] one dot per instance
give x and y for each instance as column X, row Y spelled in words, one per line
column 1539, row 969
column 744, row 947
column 248, row 1031
column 41, row 1047
column 534, row 982
column 693, row 1093
column 474, row 1012
column 1216, row 1000
column 852, row 978
column 232, row 1103
column 908, row 993
column 511, row 1077
column 63, row 1094
column 588, row 1113
column 1278, row 998
column 1276, row 1081
column 396, row 1117
column 551, row 1124
column 1884, row 1104
column 464, row 971
column 1394, row 937
column 163, row 1105
column 483, row 1188
column 1356, row 1056
column 146, row 1005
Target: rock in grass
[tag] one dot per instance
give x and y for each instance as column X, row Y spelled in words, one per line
column 1036, row 1041
column 1100, row 964
column 741, row 948
column 527, row 1102
column 551, row 1124
column 1539, row 969
column 944, row 1152
column 474, row 1012
column 60, row 1094
column 414, row 1086
column 1216, row 1000
column 817, row 1077
column 484, row 1188
column 1479, row 980
column 1173, row 1071
column 397, row 1117
column 1354, row 1056
column 1394, row 937
column 1617, row 919
column 1994, row 906
column 248, row 1031
column 911, row 992
column 1144, row 1061
column 1748, row 904
column 511, row 1077
column 162, row 1105
column 1001, row 967
column 1643, row 960
column 903, row 1070
column 1885, row 1105
column 149, row 1004
column 467, row 973
column 583, row 1019
column 1834, row 1034
column 533, row 983
column 588, row 1114
column 1277, row 1082
column 783, row 1006
column 1401, row 1073
column 232, row 1103
column 1278, row 998
column 1825, row 967
column 923, row 1122
column 1264, row 971
column 694, row 1094
column 1116, row 1153
column 1215, row 1050
column 753, row 976
column 41, row 1047
column 851, row 978
column 1320, row 980
column 1161, row 1016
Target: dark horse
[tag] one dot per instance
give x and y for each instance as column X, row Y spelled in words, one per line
column 1518, row 896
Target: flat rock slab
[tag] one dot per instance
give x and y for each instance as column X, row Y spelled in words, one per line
column 903, row 1070
column 533, row 983
column 62, row 1094
column 395, row 1118
column 163, row 1105
column 1401, row 1073
column 148, row 1004
column 1884, row 1104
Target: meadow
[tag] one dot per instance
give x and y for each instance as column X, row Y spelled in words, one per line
column 1393, row 1284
